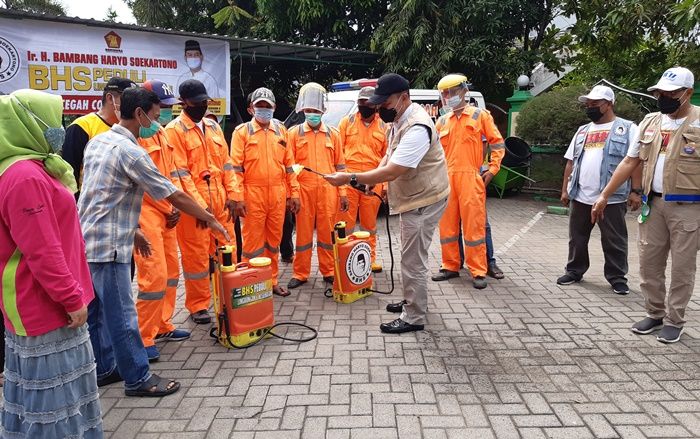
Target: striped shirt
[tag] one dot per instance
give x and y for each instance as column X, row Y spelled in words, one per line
column 116, row 173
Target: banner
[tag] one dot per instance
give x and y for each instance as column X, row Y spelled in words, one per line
column 76, row 61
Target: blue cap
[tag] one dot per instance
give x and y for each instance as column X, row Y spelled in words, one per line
column 162, row 90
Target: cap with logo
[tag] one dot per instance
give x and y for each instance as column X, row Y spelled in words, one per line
column 262, row 94
column 387, row 85
column 597, row 93
column 194, row 91
column 118, row 84
column 365, row 93
column 162, row 90
column 674, row 79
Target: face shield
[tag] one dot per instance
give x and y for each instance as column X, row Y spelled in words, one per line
column 454, row 98
column 312, row 96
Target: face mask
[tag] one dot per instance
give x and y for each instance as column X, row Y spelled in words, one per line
column 365, row 111
column 166, row 115
column 454, row 101
column 388, row 115
column 150, row 130
column 594, row 113
column 313, row 119
column 263, row 115
column 668, row 105
column 194, row 63
column 196, row 113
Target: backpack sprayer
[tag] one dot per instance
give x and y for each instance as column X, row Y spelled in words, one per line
column 352, row 261
column 243, row 297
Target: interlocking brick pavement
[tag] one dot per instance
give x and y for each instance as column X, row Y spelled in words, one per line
column 523, row 358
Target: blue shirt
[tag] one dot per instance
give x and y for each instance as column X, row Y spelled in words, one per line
column 116, row 172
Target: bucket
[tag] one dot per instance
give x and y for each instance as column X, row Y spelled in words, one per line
column 517, row 152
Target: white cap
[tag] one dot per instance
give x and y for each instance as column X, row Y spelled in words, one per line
column 599, row 92
column 673, row 79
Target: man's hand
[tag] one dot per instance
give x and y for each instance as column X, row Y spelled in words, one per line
column 565, row 198
column 293, row 205
column 76, row 319
column 487, row 176
column 216, row 227
column 598, row 208
column 172, row 219
column 203, row 224
column 344, row 204
column 338, row 178
column 634, row 201
column 240, row 209
column 141, row 244
column 231, row 207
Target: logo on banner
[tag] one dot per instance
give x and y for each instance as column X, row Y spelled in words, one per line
column 358, row 266
column 9, row 60
column 114, row 42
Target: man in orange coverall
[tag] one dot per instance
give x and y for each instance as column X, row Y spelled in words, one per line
column 363, row 136
column 200, row 146
column 461, row 132
column 265, row 183
column 158, row 269
column 316, row 146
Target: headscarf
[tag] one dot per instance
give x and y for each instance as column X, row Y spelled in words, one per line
column 22, row 135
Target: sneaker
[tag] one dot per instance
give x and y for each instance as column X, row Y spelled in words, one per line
column 567, row 279
column 479, row 282
column 152, row 353
column 174, row 335
column 620, row 288
column 669, row 334
column 647, row 326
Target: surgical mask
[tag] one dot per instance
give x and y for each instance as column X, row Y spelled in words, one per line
column 194, row 62
column 54, row 136
column 668, row 105
column 313, row 119
column 150, row 130
column 196, row 113
column 594, row 113
column 166, row 115
column 365, row 111
column 454, row 101
column 263, row 115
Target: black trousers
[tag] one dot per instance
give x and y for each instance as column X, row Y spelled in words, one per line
column 613, row 239
column 287, row 244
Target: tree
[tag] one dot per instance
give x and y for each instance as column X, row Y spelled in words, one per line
column 111, row 15
column 51, row 7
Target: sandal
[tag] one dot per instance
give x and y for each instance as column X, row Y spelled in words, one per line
column 279, row 291
column 155, row 386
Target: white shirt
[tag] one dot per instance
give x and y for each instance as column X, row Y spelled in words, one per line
column 206, row 79
column 413, row 145
column 668, row 127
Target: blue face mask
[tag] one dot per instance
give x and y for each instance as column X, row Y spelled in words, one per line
column 55, row 136
column 166, row 115
column 314, row 119
column 150, row 130
column 263, row 115
column 454, row 101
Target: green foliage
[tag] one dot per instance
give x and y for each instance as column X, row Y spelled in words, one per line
column 552, row 118
column 111, row 15
column 52, row 7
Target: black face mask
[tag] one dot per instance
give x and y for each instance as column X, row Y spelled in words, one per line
column 365, row 111
column 668, row 105
column 594, row 113
column 196, row 113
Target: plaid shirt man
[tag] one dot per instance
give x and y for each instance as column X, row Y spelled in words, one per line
column 116, row 172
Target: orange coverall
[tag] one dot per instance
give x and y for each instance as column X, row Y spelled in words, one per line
column 364, row 147
column 264, row 179
column 461, row 137
column 321, row 151
column 158, row 274
column 200, row 153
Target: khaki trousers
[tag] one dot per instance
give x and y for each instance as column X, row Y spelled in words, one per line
column 417, row 230
column 670, row 227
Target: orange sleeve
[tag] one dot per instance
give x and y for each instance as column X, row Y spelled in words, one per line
column 342, row 127
column 339, row 160
column 496, row 143
column 291, row 182
column 238, row 142
column 177, row 140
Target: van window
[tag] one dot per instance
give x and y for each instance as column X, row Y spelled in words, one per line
column 337, row 110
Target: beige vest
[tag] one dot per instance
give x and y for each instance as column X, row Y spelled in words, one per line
column 427, row 183
column 682, row 164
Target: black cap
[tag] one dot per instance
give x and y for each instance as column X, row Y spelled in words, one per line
column 118, row 84
column 192, row 45
column 194, row 91
column 387, row 85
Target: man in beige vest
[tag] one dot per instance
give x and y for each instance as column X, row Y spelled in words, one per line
column 668, row 149
column 416, row 171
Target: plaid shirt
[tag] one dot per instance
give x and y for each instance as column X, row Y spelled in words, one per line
column 116, row 172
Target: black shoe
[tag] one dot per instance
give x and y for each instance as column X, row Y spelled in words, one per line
column 112, row 378
column 396, row 307
column 328, row 279
column 398, row 326
column 494, row 271
column 295, row 283
column 647, row 326
column 479, row 282
column 444, row 275
column 201, row 317
column 669, row 334
column 620, row 288
column 567, row 279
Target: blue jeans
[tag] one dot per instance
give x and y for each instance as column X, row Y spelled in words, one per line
column 113, row 324
column 490, row 259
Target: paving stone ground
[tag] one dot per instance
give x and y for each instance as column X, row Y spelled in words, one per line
column 523, row 358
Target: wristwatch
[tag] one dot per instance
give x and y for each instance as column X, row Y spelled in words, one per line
column 637, row 191
column 353, row 180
